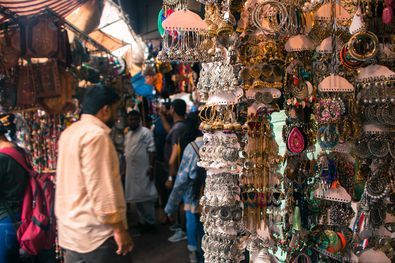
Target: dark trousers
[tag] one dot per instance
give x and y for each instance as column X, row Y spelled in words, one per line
column 104, row 254
column 161, row 176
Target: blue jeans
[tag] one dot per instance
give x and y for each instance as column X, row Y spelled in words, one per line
column 195, row 232
column 9, row 246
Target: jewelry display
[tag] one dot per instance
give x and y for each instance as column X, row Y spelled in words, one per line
column 184, row 35
column 220, row 150
column 260, row 164
column 363, row 46
column 377, row 97
column 265, row 16
column 374, row 146
column 222, row 213
column 325, row 64
column 216, row 78
column 38, row 133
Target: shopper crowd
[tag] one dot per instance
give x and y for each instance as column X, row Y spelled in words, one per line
column 91, row 203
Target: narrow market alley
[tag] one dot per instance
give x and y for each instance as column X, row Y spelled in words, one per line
column 153, row 246
column 197, row 131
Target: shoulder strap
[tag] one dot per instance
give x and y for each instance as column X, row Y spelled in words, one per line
column 17, row 156
column 195, row 148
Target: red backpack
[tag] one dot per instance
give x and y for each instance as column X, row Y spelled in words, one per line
column 37, row 229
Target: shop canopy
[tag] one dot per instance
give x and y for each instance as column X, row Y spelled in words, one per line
column 113, row 31
column 32, row 7
column 107, row 41
column 108, row 27
column 114, row 23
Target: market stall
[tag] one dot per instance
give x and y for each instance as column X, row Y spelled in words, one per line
column 319, row 185
column 47, row 59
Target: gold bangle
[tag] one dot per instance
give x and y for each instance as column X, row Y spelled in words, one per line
column 353, row 41
column 264, row 84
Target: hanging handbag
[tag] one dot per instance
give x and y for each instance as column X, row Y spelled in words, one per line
column 64, row 57
column 39, row 37
column 47, row 79
column 79, row 53
column 7, row 93
column 64, row 101
column 10, row 49
column 26, row 93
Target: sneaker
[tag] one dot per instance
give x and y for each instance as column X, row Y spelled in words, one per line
column 174, row 227
column 178, row 236
column 193, row 257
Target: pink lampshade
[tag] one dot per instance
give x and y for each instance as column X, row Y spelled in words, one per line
column 184, row 20
column 325, row 13
column 335, row 83
column 326, row 46
column 375, row 71
column 299, row 43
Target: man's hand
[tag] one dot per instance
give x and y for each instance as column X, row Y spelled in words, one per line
column 124, row 241
column 171, row 218
column 169, row 184
column 162, row 111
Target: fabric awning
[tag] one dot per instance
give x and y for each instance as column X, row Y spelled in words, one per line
column 107, row 41
column 32, row 7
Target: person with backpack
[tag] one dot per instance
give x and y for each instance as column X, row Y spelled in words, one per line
column 188, row 187
column 13, row 183
column 90, row 204
column 27, row 221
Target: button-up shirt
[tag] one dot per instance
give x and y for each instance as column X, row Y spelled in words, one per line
column 89, row 194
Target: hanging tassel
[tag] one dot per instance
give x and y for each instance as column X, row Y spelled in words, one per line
column 335, row 184
column 297, row 221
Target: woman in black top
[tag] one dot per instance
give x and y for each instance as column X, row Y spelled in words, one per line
column 13, row 182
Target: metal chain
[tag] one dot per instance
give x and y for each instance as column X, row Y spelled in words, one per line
column 334, row 61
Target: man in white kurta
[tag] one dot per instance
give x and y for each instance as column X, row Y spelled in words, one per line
column 139, row 182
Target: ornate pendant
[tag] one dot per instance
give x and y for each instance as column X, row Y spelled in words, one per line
column 296, row 141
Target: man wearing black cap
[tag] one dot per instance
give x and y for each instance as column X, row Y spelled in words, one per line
column 172, row 153
column 90, row 203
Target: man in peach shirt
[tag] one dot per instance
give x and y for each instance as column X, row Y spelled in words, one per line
column 90, row 203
